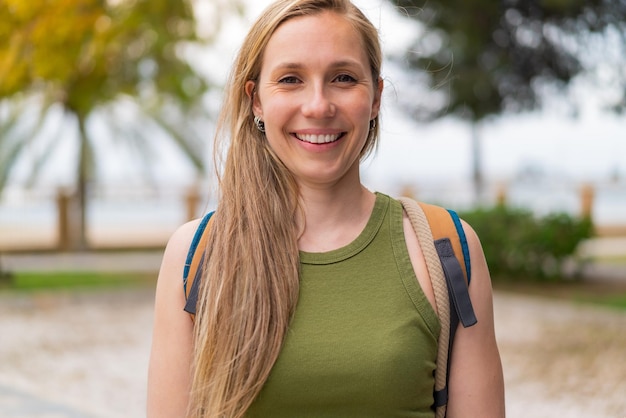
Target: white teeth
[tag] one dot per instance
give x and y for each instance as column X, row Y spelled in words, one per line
column 318, row 139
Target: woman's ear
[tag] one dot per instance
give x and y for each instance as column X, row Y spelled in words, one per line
column 254, row 97
column 377, row 98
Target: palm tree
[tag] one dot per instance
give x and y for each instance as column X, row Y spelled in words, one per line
column 80, row 61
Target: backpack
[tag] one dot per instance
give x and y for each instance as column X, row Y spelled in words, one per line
column 441, row 236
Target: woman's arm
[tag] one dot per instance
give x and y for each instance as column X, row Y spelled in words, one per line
column 169, row 376
column 476, row 386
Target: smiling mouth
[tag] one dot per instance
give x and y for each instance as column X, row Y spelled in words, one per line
column 319, row 139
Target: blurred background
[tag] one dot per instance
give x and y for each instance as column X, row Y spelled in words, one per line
column 107, row 111
column 510, row 112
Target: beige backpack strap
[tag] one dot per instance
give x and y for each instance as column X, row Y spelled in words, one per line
column 425, row 237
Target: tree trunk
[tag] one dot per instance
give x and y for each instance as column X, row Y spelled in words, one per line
column 477, row 174
column 5, row 275
column 81, row 187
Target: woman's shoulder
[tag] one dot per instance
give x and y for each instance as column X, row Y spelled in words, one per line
column 183, row 235
column 179, row 244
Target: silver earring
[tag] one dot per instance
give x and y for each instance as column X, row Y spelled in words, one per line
column 372, row 124
column 260, row 125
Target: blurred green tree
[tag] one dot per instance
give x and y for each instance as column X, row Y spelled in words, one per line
column 484, row 58
column 88, row 57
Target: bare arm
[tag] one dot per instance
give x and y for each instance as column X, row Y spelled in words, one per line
column 170, row 359
column 476, row 386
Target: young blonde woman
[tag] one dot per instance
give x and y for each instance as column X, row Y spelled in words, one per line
column 315, row 299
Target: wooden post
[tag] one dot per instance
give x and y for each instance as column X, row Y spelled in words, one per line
column 408, row 191
column 63, row 221
column 192, row 199
column 501, row 195
column 586, row 200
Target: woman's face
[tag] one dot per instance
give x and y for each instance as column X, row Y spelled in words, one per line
column 316, row 96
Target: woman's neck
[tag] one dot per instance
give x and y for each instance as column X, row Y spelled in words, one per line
column 333, row 217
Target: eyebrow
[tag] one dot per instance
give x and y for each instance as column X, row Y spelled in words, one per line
column 336, row 64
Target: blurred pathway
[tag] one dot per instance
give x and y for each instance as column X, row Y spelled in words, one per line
column 17, row 404
column 85, row 355
column 126, row 261
column 81, row 354
column 561, row 359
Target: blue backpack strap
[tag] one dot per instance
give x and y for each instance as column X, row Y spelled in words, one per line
column 464, row 246
column 193, row 265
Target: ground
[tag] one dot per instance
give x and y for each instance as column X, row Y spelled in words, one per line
column 85, row 355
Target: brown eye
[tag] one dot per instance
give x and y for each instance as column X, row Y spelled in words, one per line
column 289, row 80
column 345, row 78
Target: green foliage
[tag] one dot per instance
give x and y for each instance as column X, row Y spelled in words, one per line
column 607, row 294
column 70, row 280
column 617, row 300
column 497, row 56
column 518, row 244
column 87, row 52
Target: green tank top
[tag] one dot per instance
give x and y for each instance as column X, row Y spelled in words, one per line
column 363, row 340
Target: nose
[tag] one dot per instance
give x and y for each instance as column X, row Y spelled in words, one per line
column 318, row 103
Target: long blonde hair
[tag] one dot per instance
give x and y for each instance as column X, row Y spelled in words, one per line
column 251, row 282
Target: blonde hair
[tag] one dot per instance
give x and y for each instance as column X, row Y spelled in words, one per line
column 251, row 282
